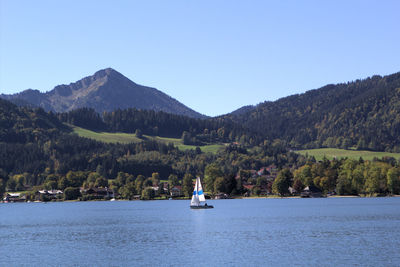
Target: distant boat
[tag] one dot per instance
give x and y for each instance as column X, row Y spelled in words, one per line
column 198, row 200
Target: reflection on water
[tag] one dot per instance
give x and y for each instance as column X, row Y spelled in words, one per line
column 256, row 232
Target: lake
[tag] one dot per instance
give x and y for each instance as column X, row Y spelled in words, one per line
column 242, row 232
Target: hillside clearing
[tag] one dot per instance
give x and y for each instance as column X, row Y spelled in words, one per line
column 123, row 138
column 331, row 153
column 126, row 138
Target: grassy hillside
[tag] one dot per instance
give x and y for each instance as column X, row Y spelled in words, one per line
column 122, row 138
column 330, row 153
column 206, row 149
column 125, row 138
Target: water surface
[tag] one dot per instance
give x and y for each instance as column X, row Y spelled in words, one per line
column 251, row 232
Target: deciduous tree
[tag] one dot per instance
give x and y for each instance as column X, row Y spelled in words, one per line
column 282, row 182
column 187, row 184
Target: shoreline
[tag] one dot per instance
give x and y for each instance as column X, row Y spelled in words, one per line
column 255, row 197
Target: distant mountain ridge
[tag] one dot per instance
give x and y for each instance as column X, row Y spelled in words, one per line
column 364, row 114
column 106, row 90
column 242, row 110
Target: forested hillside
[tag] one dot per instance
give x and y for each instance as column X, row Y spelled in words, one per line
column 192, row 131
column 37, row 149
column 364, row 114
column 22, row 125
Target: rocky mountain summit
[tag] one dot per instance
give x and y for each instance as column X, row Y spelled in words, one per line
column 106, row 90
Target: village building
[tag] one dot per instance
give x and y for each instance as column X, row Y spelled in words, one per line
column 176, row 191
column 221, row 196
column 292, row 191
column 47, row 195
column 97, row 192
column 311, row 191
column 14, row 197
column 155, row 188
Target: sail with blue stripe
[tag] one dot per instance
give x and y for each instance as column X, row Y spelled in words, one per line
column 198, row 194
column 195, row 198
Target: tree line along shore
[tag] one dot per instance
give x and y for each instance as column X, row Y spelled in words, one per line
column 344, row 177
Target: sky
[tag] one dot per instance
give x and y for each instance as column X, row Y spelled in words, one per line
column 212, row 55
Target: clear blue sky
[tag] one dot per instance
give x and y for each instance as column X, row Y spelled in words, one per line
column 212, row 55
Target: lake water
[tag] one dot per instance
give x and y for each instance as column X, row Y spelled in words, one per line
column 251, row 232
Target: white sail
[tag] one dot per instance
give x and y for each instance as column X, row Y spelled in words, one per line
column 200, row 190
column 198, row 199
column 195, row 198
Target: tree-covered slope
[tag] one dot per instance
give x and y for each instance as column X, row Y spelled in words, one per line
column 37, row 149
column 364, row 114
column 157, row 123
column 23, row 125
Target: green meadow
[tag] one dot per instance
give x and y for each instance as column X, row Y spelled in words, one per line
column 126, row 138
column 123, row 138
column 331, row 153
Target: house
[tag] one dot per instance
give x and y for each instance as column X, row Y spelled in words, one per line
column 14, row 197
column 176, row 191
column 155, row 188
column 292, row 190
column 311, row 191
column 98, row 192
column 164, row 186
column 248, row 186
column 221, row 196
column 47, row 195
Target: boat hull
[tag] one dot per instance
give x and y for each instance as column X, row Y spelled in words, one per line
column 202, row 207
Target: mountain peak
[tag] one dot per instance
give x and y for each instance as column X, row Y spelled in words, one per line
column 106, row 72
column 105, row 90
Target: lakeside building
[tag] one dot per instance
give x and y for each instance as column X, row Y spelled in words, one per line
column 97, row 193
column 311, row 191
column 14, row 197
column 48, row 195
column 176, row 191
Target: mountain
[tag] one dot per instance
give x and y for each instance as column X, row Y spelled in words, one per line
column 364, row 114
column 106, row 90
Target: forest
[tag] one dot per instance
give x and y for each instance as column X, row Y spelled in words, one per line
column 158, row 123
column 39, row 150
column 363, row 114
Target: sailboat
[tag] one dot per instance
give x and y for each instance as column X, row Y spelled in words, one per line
column 198, row 200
